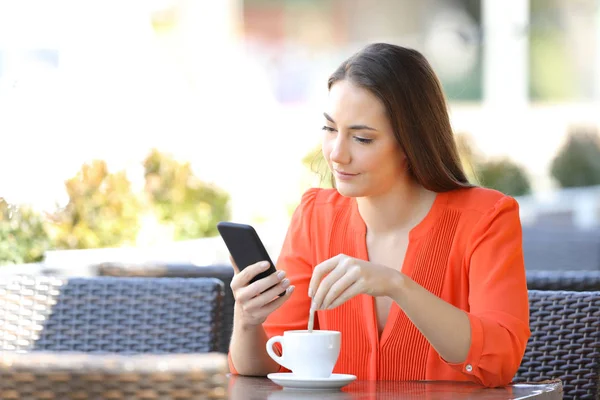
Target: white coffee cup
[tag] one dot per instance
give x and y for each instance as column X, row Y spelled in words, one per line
column 307, row 354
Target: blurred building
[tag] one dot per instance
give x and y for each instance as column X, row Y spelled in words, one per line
column 236, row 86
column 518, row 75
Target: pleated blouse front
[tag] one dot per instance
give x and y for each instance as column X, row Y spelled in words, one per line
column 467, row 251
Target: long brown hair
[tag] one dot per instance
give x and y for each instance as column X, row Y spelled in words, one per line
column 414, row 100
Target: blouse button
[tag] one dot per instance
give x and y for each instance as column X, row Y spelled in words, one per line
column 469, row 368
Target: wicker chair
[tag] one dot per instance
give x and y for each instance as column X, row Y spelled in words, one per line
column 110, row 315
column 565, row 342
column 221, row 272
column 576, row 281
column 561, row 249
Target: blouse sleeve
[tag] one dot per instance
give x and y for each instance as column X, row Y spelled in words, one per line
column 296, row 259
column 498, row 300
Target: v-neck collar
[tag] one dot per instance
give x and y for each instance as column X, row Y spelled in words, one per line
column 359, row 228
column 358, row 231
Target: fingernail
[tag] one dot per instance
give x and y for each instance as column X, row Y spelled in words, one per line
column 313, row 306
column 285, row 283
column 264, row 264
column 310, row 292
column 290, row 289
column 281, row 275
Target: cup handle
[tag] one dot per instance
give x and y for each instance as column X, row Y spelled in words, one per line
column 279, row 360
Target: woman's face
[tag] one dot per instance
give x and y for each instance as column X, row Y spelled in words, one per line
column 359, row 143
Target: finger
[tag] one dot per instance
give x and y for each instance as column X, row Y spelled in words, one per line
column 247, row 274
column 265, row 298
column 354, row 290
column 325, row 286
column 339, row 287
column 321, row 270
column 234, row 265
column 254, row 289
column 275, row 304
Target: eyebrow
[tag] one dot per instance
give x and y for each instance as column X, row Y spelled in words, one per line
column 357, row 127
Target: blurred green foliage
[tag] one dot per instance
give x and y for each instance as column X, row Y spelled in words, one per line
column 316, row 164
column 181, row 199
column 578, row 161
column 553, row 73
column 23, row 234
column 505, row 176
column 469, row 157
column 102, row 210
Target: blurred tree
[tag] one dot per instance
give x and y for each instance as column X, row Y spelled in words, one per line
column 181, row 199
column 23, row 235
column 316, row 164
column 102, row 211
column 505, row 176
column 469, row 156
column 561, row 63
column 578, row 161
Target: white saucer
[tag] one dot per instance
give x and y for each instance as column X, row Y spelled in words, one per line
column 289, row 381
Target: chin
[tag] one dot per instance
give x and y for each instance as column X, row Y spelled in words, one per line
column 347, row 190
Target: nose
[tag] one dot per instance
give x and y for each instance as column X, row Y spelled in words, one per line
column 340, row 153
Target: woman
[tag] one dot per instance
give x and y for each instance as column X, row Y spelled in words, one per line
column 421, row 271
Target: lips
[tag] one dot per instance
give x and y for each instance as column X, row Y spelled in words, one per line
column 344, row 176
column 344, row 173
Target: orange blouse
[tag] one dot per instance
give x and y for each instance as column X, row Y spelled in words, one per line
column 467, row 251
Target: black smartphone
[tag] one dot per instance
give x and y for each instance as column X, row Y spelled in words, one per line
column 245, row 247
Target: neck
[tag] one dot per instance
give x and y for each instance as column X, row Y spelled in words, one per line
column 399, row 209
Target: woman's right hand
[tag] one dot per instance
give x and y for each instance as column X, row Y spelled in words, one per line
column 255, row 301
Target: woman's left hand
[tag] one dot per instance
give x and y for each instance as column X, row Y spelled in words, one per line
column 342, row 277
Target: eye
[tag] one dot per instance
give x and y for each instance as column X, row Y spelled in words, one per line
column 362, row 140
column 328, row 129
